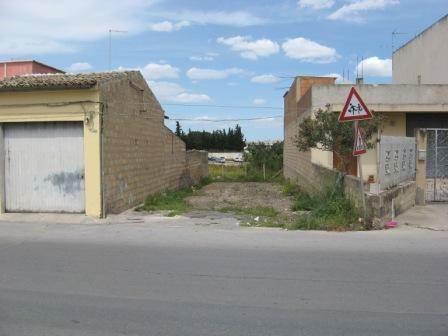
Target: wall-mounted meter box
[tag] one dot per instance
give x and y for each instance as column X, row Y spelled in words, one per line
column 422, row 155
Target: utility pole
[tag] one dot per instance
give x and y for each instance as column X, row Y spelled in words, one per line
column 110, row 44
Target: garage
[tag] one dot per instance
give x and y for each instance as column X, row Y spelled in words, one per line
column 44, row 167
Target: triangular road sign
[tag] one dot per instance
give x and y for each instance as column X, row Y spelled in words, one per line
column 359, row 147
column 355, row 108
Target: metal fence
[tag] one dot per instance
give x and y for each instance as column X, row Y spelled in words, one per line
column 397, row 160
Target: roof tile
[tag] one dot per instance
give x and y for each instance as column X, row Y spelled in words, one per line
column 59, row 81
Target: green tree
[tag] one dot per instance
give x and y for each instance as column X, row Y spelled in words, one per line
column 178, row 129
column 325, row 132
column 231, row 139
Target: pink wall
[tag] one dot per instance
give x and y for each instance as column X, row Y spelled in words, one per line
column 10, row 69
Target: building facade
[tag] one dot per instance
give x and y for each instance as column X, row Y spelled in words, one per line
column 401, row 105
column 87, row 143
column 424, row 59
column 18, row 68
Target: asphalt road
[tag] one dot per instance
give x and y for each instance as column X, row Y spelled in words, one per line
column 173, row 277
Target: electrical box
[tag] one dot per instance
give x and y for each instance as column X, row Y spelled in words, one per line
column 422, row 155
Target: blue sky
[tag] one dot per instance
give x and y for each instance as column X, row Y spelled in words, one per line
column 198, row 52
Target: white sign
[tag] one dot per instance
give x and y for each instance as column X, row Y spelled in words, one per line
column 360, row 146
column 354, row 108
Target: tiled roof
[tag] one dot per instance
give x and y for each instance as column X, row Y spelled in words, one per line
column 58, row 81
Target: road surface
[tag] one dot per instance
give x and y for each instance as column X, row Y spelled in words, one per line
column 204, row 277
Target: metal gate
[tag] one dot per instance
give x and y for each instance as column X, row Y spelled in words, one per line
column 437, row 165
column 44, row 167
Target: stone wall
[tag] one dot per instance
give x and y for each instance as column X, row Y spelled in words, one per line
column 141, row 156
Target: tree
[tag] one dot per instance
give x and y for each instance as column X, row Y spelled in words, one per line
column 230, row 140
column 325, row 132
column 179, row 131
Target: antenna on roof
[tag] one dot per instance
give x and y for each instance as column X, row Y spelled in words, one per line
column 110, row 44
column 362, row 68
column 394, row 35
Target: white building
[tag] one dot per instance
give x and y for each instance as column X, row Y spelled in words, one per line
column 424, row 59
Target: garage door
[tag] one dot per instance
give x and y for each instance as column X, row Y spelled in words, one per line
column 44, row 167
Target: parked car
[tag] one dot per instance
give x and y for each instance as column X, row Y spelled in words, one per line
column 238, row 159
column 221, row 159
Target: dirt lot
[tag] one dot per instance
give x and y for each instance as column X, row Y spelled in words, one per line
column 217, row 196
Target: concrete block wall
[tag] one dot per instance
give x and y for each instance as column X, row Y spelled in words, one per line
column 197, row 165
column 298, row 166
column 141, row 156
column 379, row 207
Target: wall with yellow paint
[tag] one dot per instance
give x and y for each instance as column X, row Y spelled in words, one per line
column 63, row 105
column 394, row 124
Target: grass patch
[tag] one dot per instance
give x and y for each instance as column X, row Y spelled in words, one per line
column 172, row 201
column 329, row 210
column 241, row 173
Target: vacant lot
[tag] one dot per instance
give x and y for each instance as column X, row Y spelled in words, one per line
column 241, row 195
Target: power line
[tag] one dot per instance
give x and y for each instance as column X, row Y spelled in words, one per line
column 225, row 120
column 227, row 106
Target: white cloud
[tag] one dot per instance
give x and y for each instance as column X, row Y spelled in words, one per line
column 316, row 4
column 173, row 92
column 375, row 67
column 192, row 98
column 79, row 67
column 259, row 101
column 205, row 58
column 168, row 26
column 309, row 51
column 153, row 71
column 203, row 74
column 265, row 79
column 219, row 18
column 251, row 49
column 32, row 27
column 352, row 11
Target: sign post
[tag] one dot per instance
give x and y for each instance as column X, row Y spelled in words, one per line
column 354, row 110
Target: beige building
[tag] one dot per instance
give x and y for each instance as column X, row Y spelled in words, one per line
column 87, row 143
column 402, row 106
column 424, row 59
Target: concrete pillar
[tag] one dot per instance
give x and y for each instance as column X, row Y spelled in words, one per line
column 420, row 178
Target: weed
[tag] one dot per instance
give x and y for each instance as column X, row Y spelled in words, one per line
column 172, row 201
column 328, row 210
column 242, row 173
column 255, row 211
column 290, row 189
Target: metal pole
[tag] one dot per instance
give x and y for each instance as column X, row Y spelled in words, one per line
column 435, row 165
column 110, row 44
column 361, row 184
column 110, row 49
column 378, row 162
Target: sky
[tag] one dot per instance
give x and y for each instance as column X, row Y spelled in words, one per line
column 210, row 61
